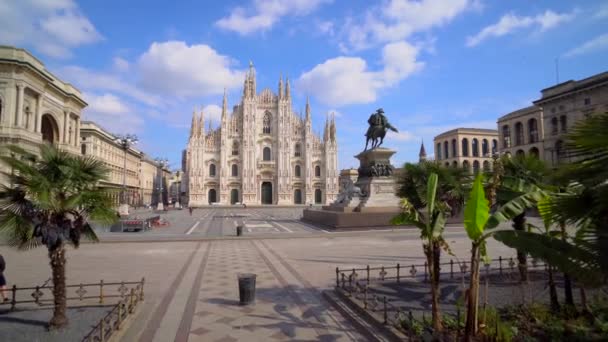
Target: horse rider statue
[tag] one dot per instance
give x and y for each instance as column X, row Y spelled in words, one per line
column 378, row 126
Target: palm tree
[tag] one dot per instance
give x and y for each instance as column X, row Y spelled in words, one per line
column 451, row 184
column 51, row 200
column 518, row 169
column 431, row 223
column 584, row 204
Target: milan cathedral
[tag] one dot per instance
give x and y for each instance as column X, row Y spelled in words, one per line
column 261, row 153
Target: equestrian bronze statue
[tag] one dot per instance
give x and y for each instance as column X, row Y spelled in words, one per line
column 378, row 126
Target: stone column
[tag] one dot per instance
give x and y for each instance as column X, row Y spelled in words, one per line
column 77, row 132
column 65, row 127
column 38, row 115
column 20, row 89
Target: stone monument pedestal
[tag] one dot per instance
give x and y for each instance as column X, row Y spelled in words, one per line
column 370, row 202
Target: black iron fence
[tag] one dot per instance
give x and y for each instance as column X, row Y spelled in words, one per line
column 358, row 284
column 400, row 272
column 114, row 319
column 43, row 295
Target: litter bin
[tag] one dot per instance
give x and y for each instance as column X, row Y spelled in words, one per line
column 246, row 288
column 239, row 230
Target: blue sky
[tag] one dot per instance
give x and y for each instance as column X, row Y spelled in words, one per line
column 432, row 65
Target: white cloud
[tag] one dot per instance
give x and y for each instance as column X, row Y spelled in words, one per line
column 346, row 80
column 335, row 112
column 106, row 103
column 213, row 113
column 263, row 14
column 595, row 44
column 510, row 23
column 174, row 68
column 112, row 113
column 97, row 80
column 602, row 12
column 401, row 136
column 396, row 20
column 120, row 64
column 326, row 27
column 51, row 27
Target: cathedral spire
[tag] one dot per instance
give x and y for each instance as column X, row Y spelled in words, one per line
column 201, row 126
column 224, row 106
column 281, row 86
column 307, row 109
column 287, row 89
column 326, row 128
column 332, row 127
column 252, row 86
column 422, row 154
column 193, row 125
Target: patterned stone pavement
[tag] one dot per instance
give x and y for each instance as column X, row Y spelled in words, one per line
column 285, row 308
column 201, row 303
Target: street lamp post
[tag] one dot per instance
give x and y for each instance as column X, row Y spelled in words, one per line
column 162, row 163
column 125, row 142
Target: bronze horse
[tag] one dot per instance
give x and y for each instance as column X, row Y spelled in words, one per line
column 378, row 126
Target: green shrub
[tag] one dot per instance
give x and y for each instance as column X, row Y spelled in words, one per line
column 413, row 326
column 496, row 328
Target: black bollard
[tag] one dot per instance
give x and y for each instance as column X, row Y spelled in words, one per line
column 246, row 288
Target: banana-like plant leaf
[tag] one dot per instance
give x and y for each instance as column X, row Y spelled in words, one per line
column 567, row 257
column 513, row 208
column 408, row 218
column 438, row 224
column 476, row 211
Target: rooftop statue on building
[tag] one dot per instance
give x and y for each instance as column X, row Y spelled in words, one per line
column 378, row 126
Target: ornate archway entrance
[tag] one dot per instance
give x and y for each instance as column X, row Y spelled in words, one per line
column 234, row 196
column 49, row 129
column 318, row 196
column 212, row 196
column 266, row 193
column 297, row 196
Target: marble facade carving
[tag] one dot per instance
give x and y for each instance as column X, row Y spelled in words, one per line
column 261, row 153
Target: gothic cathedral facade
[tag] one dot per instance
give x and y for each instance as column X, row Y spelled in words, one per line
column 261, row 153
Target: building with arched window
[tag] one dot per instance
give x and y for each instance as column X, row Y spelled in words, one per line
column 469, row 146
column 281, row 161
column 526, row 126
column 540, row 129
column 36, row 106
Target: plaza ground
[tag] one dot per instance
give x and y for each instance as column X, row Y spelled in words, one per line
column 191, row 285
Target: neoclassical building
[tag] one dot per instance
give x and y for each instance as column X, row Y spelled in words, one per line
column 261, row 153
column 35, row 105
column 521, row 132
column 470, row 148
column 540, row 129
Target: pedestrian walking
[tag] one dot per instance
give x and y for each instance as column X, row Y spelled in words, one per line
column 2, row 280
column 191, row 210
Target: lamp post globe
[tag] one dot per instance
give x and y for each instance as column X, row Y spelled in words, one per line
column 125, row 142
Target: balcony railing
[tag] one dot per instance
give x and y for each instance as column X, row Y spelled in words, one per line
column 266, row 164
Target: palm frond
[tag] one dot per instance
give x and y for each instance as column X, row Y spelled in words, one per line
column 569, row 258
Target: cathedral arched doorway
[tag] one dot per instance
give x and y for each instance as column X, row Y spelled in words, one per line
column 234, row 196
column 49, row 129
column 212, row 196
column 266, row 193
column 318, row 196
column 297, row 196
